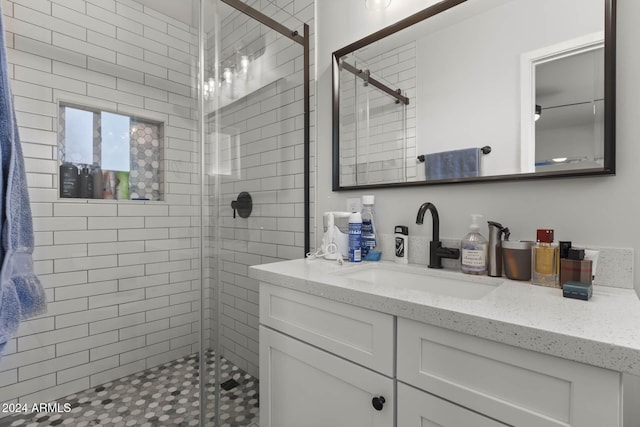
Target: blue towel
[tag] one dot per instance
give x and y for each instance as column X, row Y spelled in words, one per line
column 21, row 294
column 463, row 163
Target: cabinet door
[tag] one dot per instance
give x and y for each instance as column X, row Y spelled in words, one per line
column 419, row 409
column 363, row 336
column 301, row 385
column 517, row 386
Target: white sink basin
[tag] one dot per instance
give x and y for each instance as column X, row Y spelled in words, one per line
column 422, row 279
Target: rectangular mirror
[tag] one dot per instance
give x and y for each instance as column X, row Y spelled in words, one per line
column 478, row 90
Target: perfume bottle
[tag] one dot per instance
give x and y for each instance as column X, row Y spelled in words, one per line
column 544, row 260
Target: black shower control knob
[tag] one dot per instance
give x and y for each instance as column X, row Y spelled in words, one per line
column 378, row 403
column 243, row 205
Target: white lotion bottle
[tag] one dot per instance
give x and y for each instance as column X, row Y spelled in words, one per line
column 329, row 246
column 474, row 249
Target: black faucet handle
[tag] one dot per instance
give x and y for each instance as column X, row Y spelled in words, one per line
column 451, row 253
column 437, row 252
column 434, row 260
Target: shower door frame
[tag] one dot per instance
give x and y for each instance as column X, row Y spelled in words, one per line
column 304, row 41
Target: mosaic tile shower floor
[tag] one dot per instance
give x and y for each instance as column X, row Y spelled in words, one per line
column 165, row 395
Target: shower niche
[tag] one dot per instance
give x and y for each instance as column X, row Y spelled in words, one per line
column 109, row 156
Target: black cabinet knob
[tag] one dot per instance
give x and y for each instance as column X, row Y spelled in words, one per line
column 378, row 403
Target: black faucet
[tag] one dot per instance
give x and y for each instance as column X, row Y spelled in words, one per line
column 436, row 250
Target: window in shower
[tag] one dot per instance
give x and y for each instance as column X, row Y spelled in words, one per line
column 126, row 152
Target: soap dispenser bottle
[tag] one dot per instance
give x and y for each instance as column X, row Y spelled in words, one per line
column 85, row 184
column 98, row 182
column 474, row 249
column 68, row 180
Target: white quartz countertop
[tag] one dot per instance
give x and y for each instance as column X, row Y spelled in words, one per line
column 604, row 331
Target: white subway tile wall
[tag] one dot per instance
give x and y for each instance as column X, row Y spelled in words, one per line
column 265, row 134
column 122, row 278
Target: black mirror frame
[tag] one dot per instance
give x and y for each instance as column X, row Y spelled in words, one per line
column 609, row 103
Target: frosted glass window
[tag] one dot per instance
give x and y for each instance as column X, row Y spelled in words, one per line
column 79, row 136
column 115, row 142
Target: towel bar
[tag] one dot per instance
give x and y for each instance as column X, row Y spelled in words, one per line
column 484, row 150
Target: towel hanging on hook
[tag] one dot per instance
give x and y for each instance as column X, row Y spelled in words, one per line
column 21, row 293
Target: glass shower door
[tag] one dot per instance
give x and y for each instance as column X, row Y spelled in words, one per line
column 254, row 143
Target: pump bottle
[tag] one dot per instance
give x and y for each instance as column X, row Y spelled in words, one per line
column 85, row 184
column 474, row 249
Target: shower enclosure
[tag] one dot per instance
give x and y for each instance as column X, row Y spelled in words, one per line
column 256, row 127
column 152, row 316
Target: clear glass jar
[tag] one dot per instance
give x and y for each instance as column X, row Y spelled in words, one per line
column 544, row 260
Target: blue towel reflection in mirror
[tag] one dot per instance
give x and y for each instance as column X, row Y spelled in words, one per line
column 453, row 164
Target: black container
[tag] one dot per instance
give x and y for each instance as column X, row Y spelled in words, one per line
column 85, row 184
column 98, row 182
column 68, row 180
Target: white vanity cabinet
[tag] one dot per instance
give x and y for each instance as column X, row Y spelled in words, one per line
column 322, row 363
column 308, row 346
column 419, row 409
column 515, row 386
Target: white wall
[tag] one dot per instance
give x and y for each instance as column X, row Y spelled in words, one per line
column 600, row 211
column 121, row 277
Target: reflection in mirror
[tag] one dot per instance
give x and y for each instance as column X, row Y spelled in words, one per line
column 464, row 72
column 374, row 128
column 565, row 81
column 569, row 133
